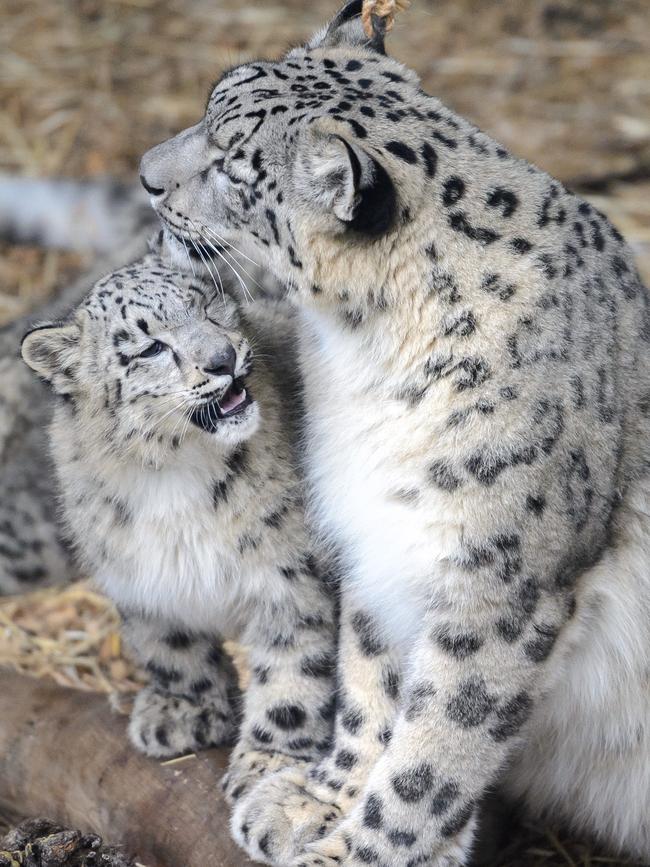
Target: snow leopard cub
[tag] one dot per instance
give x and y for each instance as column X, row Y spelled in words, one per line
column 181, row 493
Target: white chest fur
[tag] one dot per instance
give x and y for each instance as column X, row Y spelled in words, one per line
column 167, row 556
column 172, row 554
column 361, row 469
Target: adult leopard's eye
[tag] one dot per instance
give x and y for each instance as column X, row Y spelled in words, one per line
column 154, row 348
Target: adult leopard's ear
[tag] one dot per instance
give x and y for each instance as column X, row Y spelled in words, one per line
column 339, row 176
column 52, row 351
column 346, row 28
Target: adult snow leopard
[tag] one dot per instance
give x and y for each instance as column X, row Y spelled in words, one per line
column 474, row 345
column 181, row 493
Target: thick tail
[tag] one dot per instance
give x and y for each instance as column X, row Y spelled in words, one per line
column 98, row 215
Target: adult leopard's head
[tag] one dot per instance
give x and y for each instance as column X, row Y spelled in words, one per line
column 150, row 357
column 306, row 160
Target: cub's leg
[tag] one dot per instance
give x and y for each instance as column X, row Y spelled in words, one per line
column 192, row 700
column 297, row 805
column 290, row 701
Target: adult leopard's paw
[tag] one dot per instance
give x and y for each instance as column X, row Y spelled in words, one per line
column 354, row 843
column 322, row 861
column 247, row 767
column 332, row 851
column 279, row 818
column 164, row 725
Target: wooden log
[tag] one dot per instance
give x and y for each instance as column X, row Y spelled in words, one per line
column 65, row 754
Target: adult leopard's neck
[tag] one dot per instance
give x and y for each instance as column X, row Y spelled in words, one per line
column 379, row 311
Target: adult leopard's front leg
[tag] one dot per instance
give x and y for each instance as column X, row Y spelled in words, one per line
column 301, row 803
column 192, row 700
column 471, row 688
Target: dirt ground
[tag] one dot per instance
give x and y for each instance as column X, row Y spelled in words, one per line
column 87, row 85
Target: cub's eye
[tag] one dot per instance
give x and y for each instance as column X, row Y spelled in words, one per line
column 154, row 348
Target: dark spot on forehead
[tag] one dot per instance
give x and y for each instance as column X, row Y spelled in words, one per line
column 402, row 150
column 453, row 190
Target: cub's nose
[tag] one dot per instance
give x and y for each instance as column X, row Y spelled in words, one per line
column 223, row 363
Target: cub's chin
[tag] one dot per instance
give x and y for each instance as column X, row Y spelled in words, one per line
column 231, row 406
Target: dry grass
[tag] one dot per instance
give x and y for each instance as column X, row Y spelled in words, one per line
column 71, row 636
column 29, row 275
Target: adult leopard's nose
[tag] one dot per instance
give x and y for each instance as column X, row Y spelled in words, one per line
column 155, row 176
column 166, row 167
column 154, row 191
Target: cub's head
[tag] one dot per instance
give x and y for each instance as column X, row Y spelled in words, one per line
column 150, row 357
column 303, row 159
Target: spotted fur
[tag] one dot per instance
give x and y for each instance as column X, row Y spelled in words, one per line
column 33, row 550
column 114, row 221
column 474, row 345
column 190, row 516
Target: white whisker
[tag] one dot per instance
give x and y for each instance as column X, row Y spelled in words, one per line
column 232, row 246
column 205, row 264
column 237, row 262
column 189, row 258
column 205, row 240
column 186, row 426
column 148, row 452
column 181, row 423
column 219, row 253
column 197, row 247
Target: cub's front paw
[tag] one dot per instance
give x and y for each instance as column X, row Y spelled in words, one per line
column 247, row 767
column 279, row 817
column 166, row 725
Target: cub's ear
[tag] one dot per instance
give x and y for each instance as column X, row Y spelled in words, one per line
column 342, row 178
column 346, row 28
column 52, row 351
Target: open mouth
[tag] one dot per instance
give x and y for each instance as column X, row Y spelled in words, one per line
column 233, row 402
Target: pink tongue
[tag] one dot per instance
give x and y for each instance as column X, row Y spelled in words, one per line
column 233, row 401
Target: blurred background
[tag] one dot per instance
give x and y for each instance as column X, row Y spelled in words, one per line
column 86, row 86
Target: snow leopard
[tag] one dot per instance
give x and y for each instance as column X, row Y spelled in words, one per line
column 474, row 343
column 173, row 439
column 33, row 550
column 99, row 217
column 113, row 223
